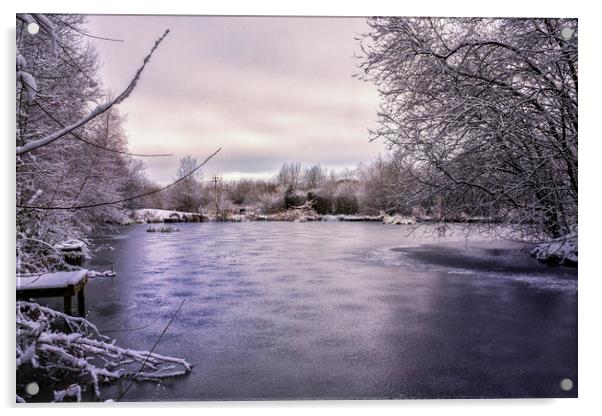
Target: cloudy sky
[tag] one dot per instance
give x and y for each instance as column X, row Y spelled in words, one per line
column 265, row 89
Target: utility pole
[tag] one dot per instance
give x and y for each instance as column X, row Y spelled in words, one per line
column 216, row 179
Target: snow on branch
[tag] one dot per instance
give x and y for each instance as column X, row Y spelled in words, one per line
column 94, row 113
column 48, row 27
column 45, row 23
column 59, row 345
column 81, row 32
column 28, row 81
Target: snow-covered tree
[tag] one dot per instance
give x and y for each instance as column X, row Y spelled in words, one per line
column 484, row 113
column 314, row 176
column 186, row 195
column 64, row 68
column 72, row 173
column 70, row 145
column 289, row 174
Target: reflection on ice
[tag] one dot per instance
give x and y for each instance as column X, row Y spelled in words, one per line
column 486, row 263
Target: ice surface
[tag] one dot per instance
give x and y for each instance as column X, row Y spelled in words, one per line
column 286, row 310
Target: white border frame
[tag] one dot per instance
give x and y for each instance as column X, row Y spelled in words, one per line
column 590, row 287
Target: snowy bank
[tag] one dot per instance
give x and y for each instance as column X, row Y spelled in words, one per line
column 398, row 220
column 74, row 251
column 563, row 250
column 149, row 215
column 300, row 213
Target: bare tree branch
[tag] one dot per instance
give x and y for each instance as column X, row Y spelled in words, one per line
column 81, row 139
column 94, row 113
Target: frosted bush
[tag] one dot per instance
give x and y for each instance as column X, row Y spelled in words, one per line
column 64, row 348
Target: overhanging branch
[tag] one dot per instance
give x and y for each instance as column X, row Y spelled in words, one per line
column 94, row 113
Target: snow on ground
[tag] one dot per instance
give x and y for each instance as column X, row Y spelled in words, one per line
column 563, row 250
column 162, row 229
column 150, row 215
column 73, row 250
column 329, row 218
column 398, row 220
column 70, row 245
column 74, row 392
column 300, row 214
column 107, row 273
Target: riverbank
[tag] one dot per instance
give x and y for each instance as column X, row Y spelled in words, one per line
column 563, row 250
column 299, row 214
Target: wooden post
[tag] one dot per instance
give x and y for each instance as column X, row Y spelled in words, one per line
column 67, row 304
column 81, row 304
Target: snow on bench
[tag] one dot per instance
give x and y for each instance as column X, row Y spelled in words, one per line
column 58, row 284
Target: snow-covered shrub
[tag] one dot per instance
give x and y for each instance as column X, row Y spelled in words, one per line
column 300, row 213
column 37, row 256
column 321, row 201
column 398, row 220
column 293, row 197
column 55, row 346
column 73, row 393
column 562, row 250
column 270, row 203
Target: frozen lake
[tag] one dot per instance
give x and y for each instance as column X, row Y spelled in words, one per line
column 336, row 310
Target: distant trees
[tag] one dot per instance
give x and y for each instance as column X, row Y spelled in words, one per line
column 186, row 194
column 314, row 176
column 293, row 197
column 330, row 192
column 482, row 113
column 385, row 187
column 244, row 192
column 346, row 199
column 289, row 174
column 137, row 182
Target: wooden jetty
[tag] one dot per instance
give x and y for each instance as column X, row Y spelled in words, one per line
column 58, row 284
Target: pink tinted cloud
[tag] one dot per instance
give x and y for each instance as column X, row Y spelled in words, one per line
column 266, row 89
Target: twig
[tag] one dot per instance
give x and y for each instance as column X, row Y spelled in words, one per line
column 81, row 139
column 81, row 32
column 151, row 351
